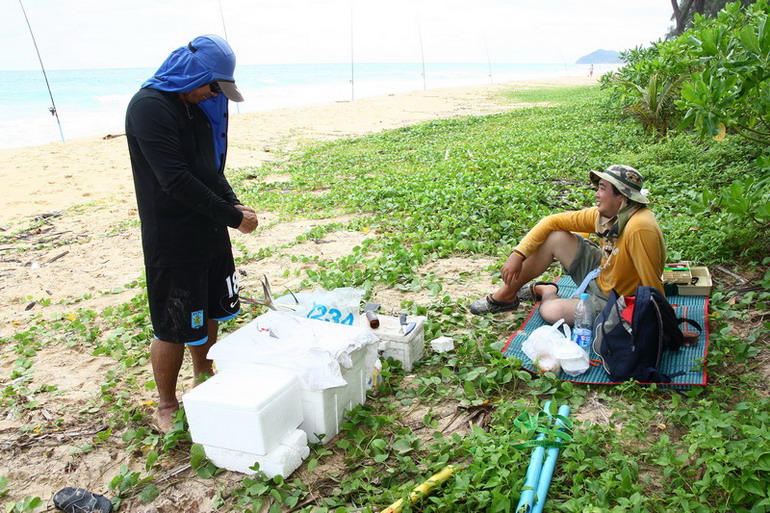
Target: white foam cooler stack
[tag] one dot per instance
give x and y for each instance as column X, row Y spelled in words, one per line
column 281, row 380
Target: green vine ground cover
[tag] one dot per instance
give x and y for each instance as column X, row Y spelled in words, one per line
column 464, row 188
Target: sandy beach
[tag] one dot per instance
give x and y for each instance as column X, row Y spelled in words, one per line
column 70, row 235
column 58, row 175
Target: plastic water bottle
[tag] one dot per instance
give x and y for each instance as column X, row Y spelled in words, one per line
column 582, row 333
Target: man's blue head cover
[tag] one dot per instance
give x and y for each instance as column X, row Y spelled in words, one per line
column 206, row 59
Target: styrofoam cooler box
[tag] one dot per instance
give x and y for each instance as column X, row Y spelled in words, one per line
column 407, row 349
column 251, row 412
column 324, row 410
column 283, row 460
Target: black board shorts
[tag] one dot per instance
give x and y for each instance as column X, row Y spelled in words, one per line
column 183, row 299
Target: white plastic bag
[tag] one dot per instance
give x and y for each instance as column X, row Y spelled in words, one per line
column 573, row 359
column 552, row 351
column 318, row 351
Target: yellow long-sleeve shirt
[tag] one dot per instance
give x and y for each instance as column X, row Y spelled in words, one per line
column 636, row 258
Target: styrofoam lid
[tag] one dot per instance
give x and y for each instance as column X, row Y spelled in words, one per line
column 243, row 389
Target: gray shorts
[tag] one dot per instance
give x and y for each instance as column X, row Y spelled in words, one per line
column 587, row 258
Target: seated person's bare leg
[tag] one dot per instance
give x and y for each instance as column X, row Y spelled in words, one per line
column 561, row 247
column 554, row 308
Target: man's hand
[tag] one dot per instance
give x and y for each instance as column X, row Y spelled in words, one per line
column 512, row 268
column 244, row 208
column 249, row 222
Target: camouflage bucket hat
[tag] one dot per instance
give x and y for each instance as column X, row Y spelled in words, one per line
column 626, row 179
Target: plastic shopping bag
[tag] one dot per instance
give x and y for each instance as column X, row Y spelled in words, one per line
column 551, row 350
column 340, row 306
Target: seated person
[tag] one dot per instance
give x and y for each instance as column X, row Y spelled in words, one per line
column 631, row 251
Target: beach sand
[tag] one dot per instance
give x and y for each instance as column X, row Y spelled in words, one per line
column 68, row 218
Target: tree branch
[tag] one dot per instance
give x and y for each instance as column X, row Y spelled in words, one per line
column 675, row 5
column 681, row 15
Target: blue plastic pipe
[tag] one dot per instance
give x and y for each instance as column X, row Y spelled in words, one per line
column 550, row 463
column 533, row 473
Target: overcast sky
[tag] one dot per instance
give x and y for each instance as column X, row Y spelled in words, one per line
column 77, row 34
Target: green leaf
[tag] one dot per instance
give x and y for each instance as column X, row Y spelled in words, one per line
column 763, row 462
column 402, row 446
column 755, row 487
column 152, row 458
column 469, row 390
column 197, row 455
column 379, row 445
column 749, row 39
column 149, row 493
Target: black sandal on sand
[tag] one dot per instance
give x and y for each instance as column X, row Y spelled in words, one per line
column 527, row 292
column 78, row 500
column 490, row 305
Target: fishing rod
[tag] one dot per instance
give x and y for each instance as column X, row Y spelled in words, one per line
column 222, row 17
column 489, row 61
column 51, row 109
column 352, row 69
column 224, row 29
column 422, row 54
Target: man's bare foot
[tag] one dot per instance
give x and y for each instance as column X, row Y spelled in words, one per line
column 163, row 419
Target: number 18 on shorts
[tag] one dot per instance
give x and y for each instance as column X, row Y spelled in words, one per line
column 182, row 299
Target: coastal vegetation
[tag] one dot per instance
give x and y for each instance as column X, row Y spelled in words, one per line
column 715, row 80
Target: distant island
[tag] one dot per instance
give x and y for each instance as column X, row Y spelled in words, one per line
column 600, row 57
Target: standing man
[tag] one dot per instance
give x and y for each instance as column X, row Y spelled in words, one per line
column 631, row 251
column 176, row 127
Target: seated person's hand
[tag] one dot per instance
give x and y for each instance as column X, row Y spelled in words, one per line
column 512, row 268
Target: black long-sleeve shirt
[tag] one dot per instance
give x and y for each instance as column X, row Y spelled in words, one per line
column 185, row 202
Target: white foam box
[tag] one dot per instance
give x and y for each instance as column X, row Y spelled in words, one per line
column 283, row 460
column 324, row 410
column 243, row 411
column 407, row 349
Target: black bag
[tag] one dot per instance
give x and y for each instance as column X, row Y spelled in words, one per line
column 634, row 349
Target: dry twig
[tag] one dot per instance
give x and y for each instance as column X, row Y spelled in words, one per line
column 58, row 437
column 54, row 259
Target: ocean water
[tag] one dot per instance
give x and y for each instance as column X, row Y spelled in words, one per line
column 93, row 102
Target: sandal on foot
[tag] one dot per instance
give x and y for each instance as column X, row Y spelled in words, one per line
column 490, row 305
column 78, row 500
column 527, row 292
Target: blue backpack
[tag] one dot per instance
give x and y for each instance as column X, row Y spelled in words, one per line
column 631, row 333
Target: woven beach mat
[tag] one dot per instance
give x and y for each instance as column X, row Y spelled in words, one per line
column 687, row 366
